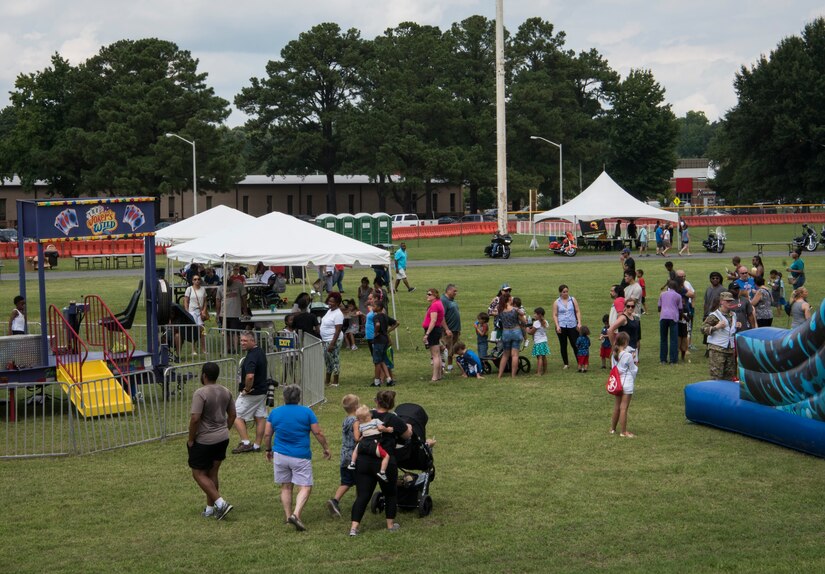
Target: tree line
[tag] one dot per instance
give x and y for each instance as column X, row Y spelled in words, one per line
column 416, row 102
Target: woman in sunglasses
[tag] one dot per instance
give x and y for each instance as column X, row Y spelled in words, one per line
column 628, row 322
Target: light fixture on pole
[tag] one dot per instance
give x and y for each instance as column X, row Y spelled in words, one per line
column 194, row 172
column 561, row 175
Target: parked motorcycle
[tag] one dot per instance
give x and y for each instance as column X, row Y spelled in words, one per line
column 499, row 246
column 822, row 233
column 808, row 241
column 715, row 243
column 565, row 247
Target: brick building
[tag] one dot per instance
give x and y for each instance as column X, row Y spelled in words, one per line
column 690, row 182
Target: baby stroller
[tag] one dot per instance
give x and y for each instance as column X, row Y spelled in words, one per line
column 491, row 362
column 413, row 487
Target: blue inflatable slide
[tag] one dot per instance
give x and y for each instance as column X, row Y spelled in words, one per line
column 781, row 394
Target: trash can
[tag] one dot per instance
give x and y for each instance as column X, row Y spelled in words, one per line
column 364, row 223
column 345, row 225
column 382, row 228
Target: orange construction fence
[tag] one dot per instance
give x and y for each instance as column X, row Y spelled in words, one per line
column 72, row 248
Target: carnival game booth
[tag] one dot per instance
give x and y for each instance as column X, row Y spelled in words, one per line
column 84, row 341
column 781, row 394
column 603, row 199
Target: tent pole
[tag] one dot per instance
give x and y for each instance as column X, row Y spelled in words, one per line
column 394, row 314
column 223, row 308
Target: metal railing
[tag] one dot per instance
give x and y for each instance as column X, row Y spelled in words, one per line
column 69, row 350
column 103, row 330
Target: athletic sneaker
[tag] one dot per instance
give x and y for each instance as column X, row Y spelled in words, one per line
column 376, row 384
column 296, row 522
column 334, row 508
column 395, row 527
column 353, row 532
column 351, row 466
column 241, row 448
column 382, row 476
column 208, row 513
column 411, row 289
column 390, row 383
column 222, row 511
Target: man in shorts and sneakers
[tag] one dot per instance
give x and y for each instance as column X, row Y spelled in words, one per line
column 251, row 403
column 401, row 268
column 213, row 413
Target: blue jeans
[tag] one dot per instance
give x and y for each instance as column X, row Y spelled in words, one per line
column 668, row 327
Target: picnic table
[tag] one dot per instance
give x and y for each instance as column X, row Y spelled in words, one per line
column 108, row 261
column 760, row 245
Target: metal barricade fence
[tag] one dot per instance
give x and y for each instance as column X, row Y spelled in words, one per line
column 53, row 418
column 179, row 384
column 312, row 370
column 36, row 420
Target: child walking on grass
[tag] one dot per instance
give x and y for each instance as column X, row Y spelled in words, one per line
column 604, row 347
column 482, row 333
column 583, row 349
column 350, row 404
column 640, row 279
column 622, row 358
column 539, row 331
column 367, row 431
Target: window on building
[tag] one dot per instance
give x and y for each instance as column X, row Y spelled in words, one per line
column 435, row 203
column 208, row 202
column 269, row 204
column 289, row 205
column 351, row 202
column 452, row 203
column 309, row 205
column 245, row 202
column 171, row 211
column 3, row 209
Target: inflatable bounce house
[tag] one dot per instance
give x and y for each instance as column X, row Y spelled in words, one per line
column 781, row 394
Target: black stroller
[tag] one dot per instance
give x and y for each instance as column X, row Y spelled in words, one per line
column 491, row 362
column 414, row 455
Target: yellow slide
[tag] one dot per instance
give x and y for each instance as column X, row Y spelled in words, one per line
column 104, row 396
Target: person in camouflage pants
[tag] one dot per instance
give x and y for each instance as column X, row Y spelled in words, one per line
column 720, row 326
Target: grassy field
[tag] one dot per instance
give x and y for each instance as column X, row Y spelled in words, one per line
column 528, row 478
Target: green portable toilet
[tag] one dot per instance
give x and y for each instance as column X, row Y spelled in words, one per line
column 345, row 225
column 382, row 228
column 364, row 223
column 327, row 221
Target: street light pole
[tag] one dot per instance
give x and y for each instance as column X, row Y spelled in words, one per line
column 194, row 172
column 561, row 164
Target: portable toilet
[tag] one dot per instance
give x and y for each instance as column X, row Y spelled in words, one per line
column 364, row 223
column 382, row 228
column 327, row 221
column 345, row 225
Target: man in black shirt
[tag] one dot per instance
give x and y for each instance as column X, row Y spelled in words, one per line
column 252, row 388
column 381, row 340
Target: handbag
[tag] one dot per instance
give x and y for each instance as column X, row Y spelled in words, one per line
column 614, row 382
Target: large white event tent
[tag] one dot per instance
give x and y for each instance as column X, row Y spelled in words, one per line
column 279, row 239
column 205, row 223
column 604, row 198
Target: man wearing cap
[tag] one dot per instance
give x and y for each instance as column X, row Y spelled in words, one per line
column 492, row 310
column 720, row 328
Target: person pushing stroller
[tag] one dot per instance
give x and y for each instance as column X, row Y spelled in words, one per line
column 367, row 431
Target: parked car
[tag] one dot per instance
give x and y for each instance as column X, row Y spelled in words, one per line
column 476, row 218
column 446, row 220
column 163, row 224
column 8, row 235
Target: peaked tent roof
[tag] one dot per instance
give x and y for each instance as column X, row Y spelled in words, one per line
column 605, row 198
column 279, row 239
column 206, row 222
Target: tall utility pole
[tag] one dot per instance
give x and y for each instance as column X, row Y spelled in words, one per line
column 501, row 124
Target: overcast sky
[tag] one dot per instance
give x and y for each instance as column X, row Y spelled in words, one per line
column 693, row 48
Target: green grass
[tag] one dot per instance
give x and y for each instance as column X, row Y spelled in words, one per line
column 528, row 478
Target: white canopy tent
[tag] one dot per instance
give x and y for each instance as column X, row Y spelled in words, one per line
column 279, row 239
column 205, row 223
column 605, row 198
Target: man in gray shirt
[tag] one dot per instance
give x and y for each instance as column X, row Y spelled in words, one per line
column 213, row 414
column 452, row 323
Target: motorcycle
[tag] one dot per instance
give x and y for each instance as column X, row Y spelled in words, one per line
column 822, row 233
column 715, row 243
column 808, row 241
column 565, row 247
column 499, row 246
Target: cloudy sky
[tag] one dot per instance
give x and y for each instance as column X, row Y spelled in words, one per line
column 693, row 48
